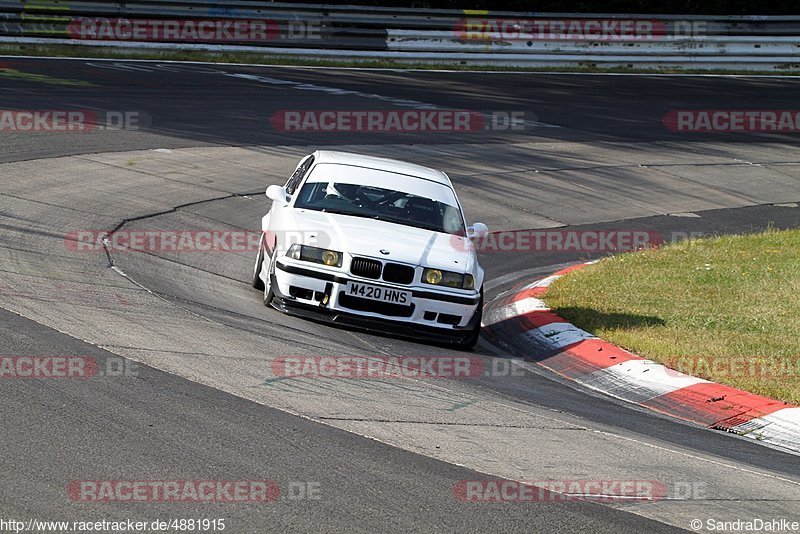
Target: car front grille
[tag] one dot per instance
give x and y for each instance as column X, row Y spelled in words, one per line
column 398, row 274
column 366, row 267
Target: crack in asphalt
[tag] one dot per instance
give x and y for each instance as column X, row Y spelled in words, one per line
column 164, row 212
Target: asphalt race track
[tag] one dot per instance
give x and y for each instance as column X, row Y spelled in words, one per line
column 195, row 398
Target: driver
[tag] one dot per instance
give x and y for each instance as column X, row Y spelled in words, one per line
column 347, row 192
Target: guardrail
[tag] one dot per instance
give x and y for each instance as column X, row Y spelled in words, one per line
column 413, row 35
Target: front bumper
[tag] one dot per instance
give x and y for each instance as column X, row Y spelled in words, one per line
column 438, row 316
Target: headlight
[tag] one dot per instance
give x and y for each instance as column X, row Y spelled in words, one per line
column 448, row 279
column 331, row 258
column 432, row 276
column 469, row 282
column 294, row 252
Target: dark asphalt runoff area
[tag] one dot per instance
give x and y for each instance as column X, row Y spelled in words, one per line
column 198, row 104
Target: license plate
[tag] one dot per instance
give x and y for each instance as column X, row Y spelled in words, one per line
column 379, row 294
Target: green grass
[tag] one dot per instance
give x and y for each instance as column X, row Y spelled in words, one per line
column 262, row 57
column 726, row 308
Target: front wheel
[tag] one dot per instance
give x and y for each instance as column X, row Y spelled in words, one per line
column 471, row 339
column 258, row 283
column 268, row 293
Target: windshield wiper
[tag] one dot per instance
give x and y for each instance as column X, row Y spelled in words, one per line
column 351, row 213
column 413, row 224
column 431, row 227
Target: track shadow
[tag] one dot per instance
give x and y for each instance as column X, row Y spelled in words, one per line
column 592, row 320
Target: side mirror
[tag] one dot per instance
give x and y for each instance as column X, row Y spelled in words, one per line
column 278, row 193
column 477, row 230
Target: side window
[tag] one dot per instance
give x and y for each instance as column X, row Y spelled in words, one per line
column 298, row 175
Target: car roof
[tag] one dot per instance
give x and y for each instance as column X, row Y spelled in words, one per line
column 381, row 164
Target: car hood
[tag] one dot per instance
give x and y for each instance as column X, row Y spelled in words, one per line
column 367, row 237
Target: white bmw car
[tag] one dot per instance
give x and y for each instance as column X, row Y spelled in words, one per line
column 372, row 243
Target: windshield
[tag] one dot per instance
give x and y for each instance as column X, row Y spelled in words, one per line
column 380, row 203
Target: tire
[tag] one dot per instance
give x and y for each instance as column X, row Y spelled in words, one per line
column 472, row 339
column 268, row 293
column 257, row 282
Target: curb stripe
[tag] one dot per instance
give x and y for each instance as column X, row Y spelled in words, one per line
column 534, row 292
column 540, row 319
column 556, row 335
column 715, row 405
column 514, row 309
column 638, row 380
column 779, row 428
column 601, row 353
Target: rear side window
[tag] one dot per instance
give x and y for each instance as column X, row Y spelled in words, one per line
column 298, row 175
